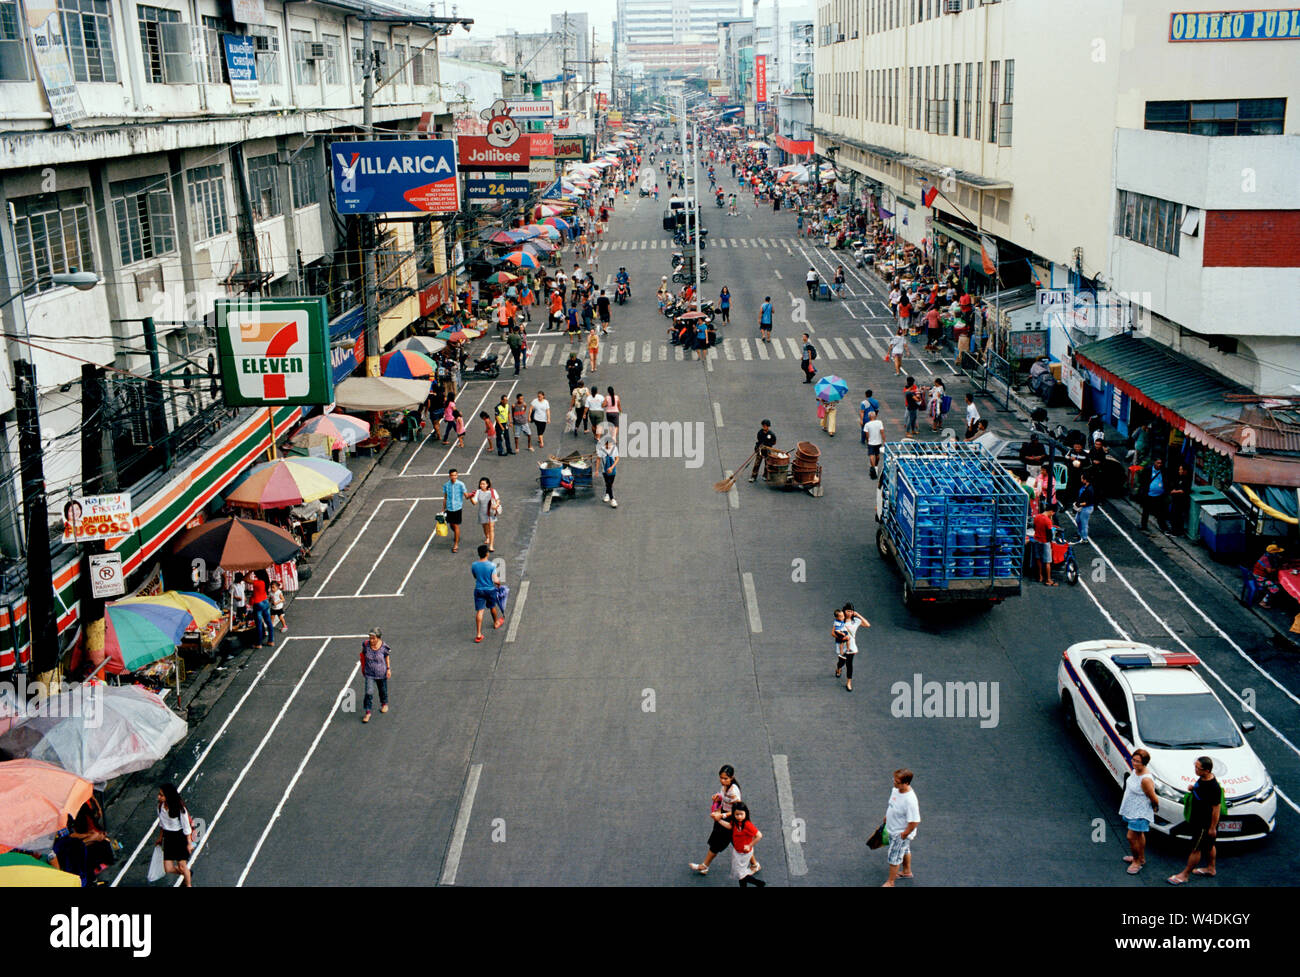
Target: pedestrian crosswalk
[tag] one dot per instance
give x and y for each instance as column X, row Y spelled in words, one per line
column 722, row 242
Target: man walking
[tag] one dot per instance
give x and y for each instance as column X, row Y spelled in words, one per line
column 519, row 422
column 765, row 320
column 902, row 818
column 1154, row 501
column 912, row 404
column 602, row 312
column 486, row 581
column 806, row 358
column 453, row 501
column 972, row 416
column 764, row 441
column 377, row 669
column 515, row 341
column 874, row 430
column 1206, row 799
column 869, row 405
column 1084, row 504
column 573, row 370
column 503, row 427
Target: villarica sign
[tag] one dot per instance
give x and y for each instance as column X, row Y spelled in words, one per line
column 274, row 351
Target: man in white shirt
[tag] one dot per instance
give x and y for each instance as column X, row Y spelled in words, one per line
column 902, row 818
column 972, row 416
column 875, row 431
column 607, row 457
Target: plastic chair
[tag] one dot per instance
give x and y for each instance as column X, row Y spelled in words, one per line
column 1249, row 587
column 1060, row 474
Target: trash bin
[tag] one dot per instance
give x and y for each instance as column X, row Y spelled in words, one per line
column 1201, row 495
column 1223, row 529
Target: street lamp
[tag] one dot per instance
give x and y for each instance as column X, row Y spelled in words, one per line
column 83, row 281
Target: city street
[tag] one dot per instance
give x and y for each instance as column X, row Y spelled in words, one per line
column 647, row 645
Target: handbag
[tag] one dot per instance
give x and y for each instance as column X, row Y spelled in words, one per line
column 156, row 864
column 879, row 838
column 502, row 595
column 496, row 503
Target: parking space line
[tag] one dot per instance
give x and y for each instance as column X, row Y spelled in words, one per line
column 384, row 552
column 751, row 603
column 452, row 865
column 794, row 860
column 519, row 610
column 334, row 569
column 293, row 782
column 717, row 414
column 401, row 587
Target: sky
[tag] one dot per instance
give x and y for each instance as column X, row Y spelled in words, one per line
column 492, row 17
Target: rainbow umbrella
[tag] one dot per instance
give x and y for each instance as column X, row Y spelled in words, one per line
column 830, row 389
column 36, row 799
column 406, row 364
column 557, row 222
column 24, row 872
column 343, row 429
column 521, row 259
column 427, row 345
column 454, row 335
column 140, row 630
column 501, row 278
column 290, row 481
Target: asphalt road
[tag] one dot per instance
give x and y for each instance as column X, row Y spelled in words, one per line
column 683, row 630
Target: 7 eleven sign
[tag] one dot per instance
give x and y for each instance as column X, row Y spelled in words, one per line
column 274, row 351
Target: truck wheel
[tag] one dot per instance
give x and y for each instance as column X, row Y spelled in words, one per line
column 909, row 597
column 1072, row 573
column 882, row 545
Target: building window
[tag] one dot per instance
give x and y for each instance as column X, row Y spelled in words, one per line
column 1231, row 117
column 979, row 99
column 993, row 101
column 207, row 193
column 1008, row 93
column 303, row 170
column 329, row 68
column 911, row 87
column 165, row 43
column 956, row 99
column 304, row 71
column 1148, row 220
column 213, row 28
column 88, row 34
column 264, row 186
column 268, row 54
column 417, row 68
column 52, row 234
column 142, row 209
column 970, row 78
column 13, row 43
column 398, row 69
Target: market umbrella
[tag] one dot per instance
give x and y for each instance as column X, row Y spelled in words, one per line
column 139, row 631
column 831, row 389
column 292, row 481
column 19, row 871
column 36, row 800
column 233, row 543
column 501, row 278
column 521, row 259
column 130, row 729
column 496, row 236
column 427, row 345
column 406, row 363
column 558, row 222
column 539, row 247
column 380, row 393
column 342, row 429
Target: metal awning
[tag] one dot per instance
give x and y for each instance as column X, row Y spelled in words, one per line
column 957, row 235
column 926, row 166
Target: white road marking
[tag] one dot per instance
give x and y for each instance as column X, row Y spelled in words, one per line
column 334, row 569
column 745, row 352
column 717, row 414
column 844, row 348
column 827, row 350
column 776, row 347
column 762, row 242
column 677, row 354
column 401, row 588
column 751, row 603
column 663, row 353
column 875, row 344
column 519, row 610
column 279, row 808
column 629, row 352
column 795, row 350
column 752, row 243
column 727, row 349
column 452, row 865
column 384, row 552
column 613, row 354
column 546, row 501
column 722, row 242
column 794, row 859
column 709, row 356
column 862, row 350
column 733, row 497
column 266, row 738
column 547, row 355
column 733, row 242
column 761, row 347
column 776, row 273
column 645, row 352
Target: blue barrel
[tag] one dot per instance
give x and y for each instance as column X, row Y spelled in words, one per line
column 550, row 476
column 581, row 475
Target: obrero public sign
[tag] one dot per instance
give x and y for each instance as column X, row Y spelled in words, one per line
column 274, row 351
column 1236, row 25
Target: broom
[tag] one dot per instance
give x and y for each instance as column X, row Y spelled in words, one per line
column 729, row 482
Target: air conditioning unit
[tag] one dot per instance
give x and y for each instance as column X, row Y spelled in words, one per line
column 261, row 42
column 952, row 6
column 315, row 51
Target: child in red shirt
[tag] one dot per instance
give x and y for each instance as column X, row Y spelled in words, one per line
column 744, row 835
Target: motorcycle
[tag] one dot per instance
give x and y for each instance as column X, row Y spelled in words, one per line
column 677, row 307
column 719, row 201
column 484, row 368
column 622, row 293
column 643, row 192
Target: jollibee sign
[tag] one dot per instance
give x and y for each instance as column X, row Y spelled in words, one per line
column 274, row 351
column 501, row 149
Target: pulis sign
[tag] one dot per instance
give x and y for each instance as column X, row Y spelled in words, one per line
column 396, row 176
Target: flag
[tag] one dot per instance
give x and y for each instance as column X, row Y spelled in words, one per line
column 989, row 255
column 930, row 194
column 884, row 214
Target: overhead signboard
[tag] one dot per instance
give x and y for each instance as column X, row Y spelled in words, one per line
column 249, row 11
column 541, row 171
column 530, row 108
column 1236, row 25
column 570, row 147
column 106, row 578
column 51, row 56
column 434, row 295
column 481, row 153
column 98, row 518
column 400, row 176
column 487, row 191
column 760, row 79
column 540, row 144
column 241, row 66
column 274, row 351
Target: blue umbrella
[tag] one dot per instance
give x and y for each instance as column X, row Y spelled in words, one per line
column 831, row 389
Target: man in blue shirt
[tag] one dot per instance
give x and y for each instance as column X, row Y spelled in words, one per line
column 870, row 405
column 765, row 320
column 484, row 572
column 453, row 501
column 1154, row 501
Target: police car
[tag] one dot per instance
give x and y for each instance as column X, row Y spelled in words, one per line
column 1121, row 696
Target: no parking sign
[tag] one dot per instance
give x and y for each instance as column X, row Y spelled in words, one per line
column 106, row 575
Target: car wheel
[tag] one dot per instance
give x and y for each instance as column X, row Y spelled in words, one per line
column 1068, row 719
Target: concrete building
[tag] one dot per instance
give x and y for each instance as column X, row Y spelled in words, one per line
column 674, row 34
column 177, row 186
column 1128, row 156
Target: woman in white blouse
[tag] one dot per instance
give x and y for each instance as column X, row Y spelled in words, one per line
column 176, row 835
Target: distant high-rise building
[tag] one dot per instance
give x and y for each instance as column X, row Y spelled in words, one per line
column 651, row 28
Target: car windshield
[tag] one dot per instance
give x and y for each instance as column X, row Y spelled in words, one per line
column 1184, row 722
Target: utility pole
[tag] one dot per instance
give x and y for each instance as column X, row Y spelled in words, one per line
column 564, row 64
column 97, row 475
column 36, row 517
column 592, row 101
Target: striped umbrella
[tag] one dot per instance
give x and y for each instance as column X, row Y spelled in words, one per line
column 557, row 222
column 406, row 364
column 290, row 481
column 235, row 544
column 427, row 345
column 139, row 631
column 831, row 389
column 343, row 429
column 501, row 278
column 521, row 259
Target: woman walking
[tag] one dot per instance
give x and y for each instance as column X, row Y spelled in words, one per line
column 176, row 835
column 593, row 348
column 613, row 411
column 1137, row 808
column 724, row 304
column 578, row 408
column 897, row 347
column 849, row 651
column 448, row 420
column 541, row 415
column 489, row 508
column 744, row 836
column 727, row 795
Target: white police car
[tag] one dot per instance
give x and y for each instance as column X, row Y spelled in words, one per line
column 1121, row 696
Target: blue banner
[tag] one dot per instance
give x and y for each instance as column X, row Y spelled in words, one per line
column 397, row 176
column 241, row 66
column 489, row 190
